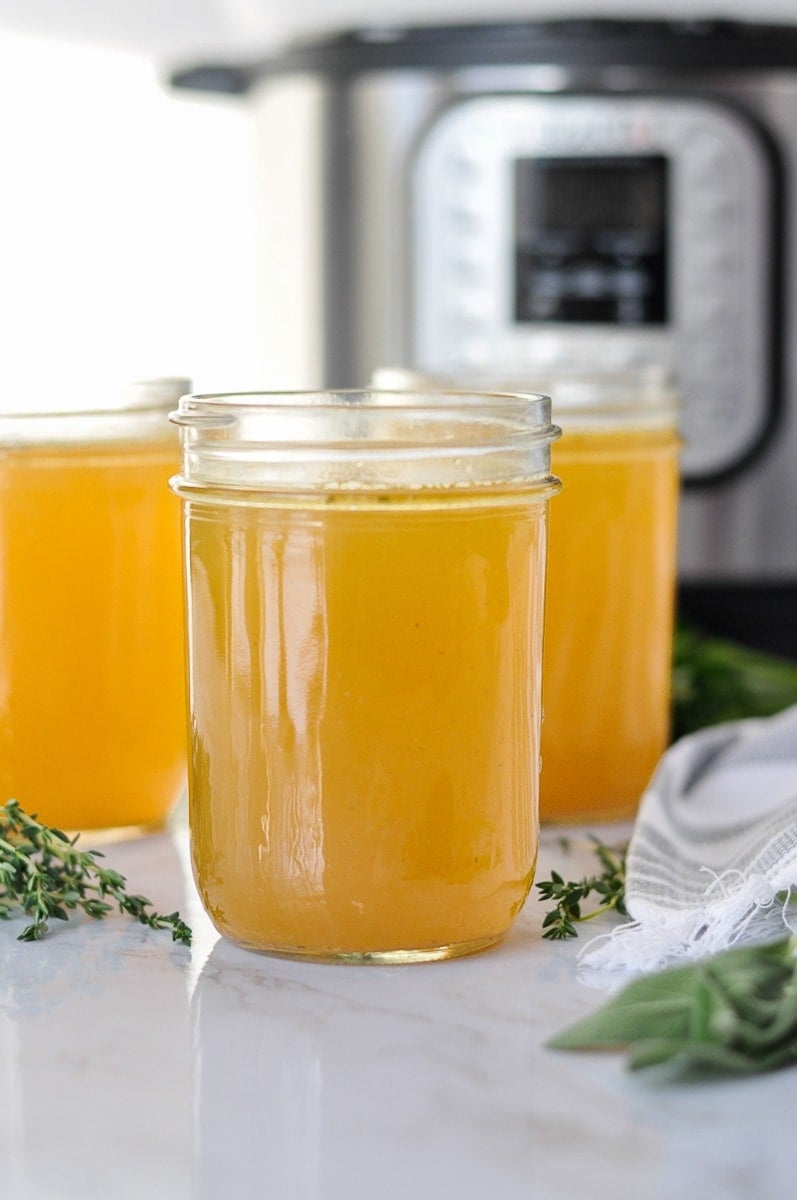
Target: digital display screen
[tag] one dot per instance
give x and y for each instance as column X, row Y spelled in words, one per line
column 590, row 193
column 591, row 239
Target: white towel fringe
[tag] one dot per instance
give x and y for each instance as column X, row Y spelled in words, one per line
column 729, row 916
column 721, row 807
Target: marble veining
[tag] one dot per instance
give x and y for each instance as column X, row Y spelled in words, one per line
column 131, row 1069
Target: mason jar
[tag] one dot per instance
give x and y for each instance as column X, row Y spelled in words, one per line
column 607, row 665
column 365, row 583
column 611, row 593
column 92, row 679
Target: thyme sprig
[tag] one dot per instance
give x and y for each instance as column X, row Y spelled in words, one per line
column 568, row 896
column 43, row 874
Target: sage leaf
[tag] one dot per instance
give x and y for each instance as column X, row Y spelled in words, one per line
column 642, row 1008
column 735, row 1012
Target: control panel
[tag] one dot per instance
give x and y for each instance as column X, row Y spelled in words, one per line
column 602, row 232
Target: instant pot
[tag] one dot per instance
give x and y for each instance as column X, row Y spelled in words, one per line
column 517, row 198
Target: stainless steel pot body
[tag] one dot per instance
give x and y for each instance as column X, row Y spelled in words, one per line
column 392, row 201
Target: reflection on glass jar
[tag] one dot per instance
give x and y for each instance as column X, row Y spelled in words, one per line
column 364, row 622
column 316, row 1083
column 261, row 1090
column 92, row 708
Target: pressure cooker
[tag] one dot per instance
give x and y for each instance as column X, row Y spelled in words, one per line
column 517, row 198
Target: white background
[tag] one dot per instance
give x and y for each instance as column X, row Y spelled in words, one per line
column 128, row 212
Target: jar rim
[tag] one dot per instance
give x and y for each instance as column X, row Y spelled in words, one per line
column 578, row 395
column 420, row 396
column 141, row 396
column 139, row 416
column 364, row 438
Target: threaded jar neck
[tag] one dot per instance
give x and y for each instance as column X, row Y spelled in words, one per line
column 365, row 440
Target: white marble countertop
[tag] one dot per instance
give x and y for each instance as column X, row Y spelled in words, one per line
column 134, row 1070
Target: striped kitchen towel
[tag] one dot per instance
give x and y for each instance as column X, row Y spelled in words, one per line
column 713, row 853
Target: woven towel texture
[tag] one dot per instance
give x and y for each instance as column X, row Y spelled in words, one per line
column 713, row 852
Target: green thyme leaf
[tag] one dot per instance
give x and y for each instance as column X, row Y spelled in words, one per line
column 44, row 875
column 733, row 1013
column 568, row 895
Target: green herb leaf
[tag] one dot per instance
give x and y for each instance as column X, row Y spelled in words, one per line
column 733, row 1013
column 568, row 895
column 46, row 877
column 715, row 679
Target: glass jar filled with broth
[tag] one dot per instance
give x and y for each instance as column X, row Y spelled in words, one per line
column 92, row 681
column 365, row 580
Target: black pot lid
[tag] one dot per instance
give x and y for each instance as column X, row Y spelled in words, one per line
column 672, row 45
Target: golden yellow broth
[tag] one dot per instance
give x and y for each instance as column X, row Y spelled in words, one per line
column 92, row 681
column 609, row 615
column 364, row 688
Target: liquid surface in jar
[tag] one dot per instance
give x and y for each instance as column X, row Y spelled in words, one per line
column 364, row 690
column 609, row 617
column 92, row 679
